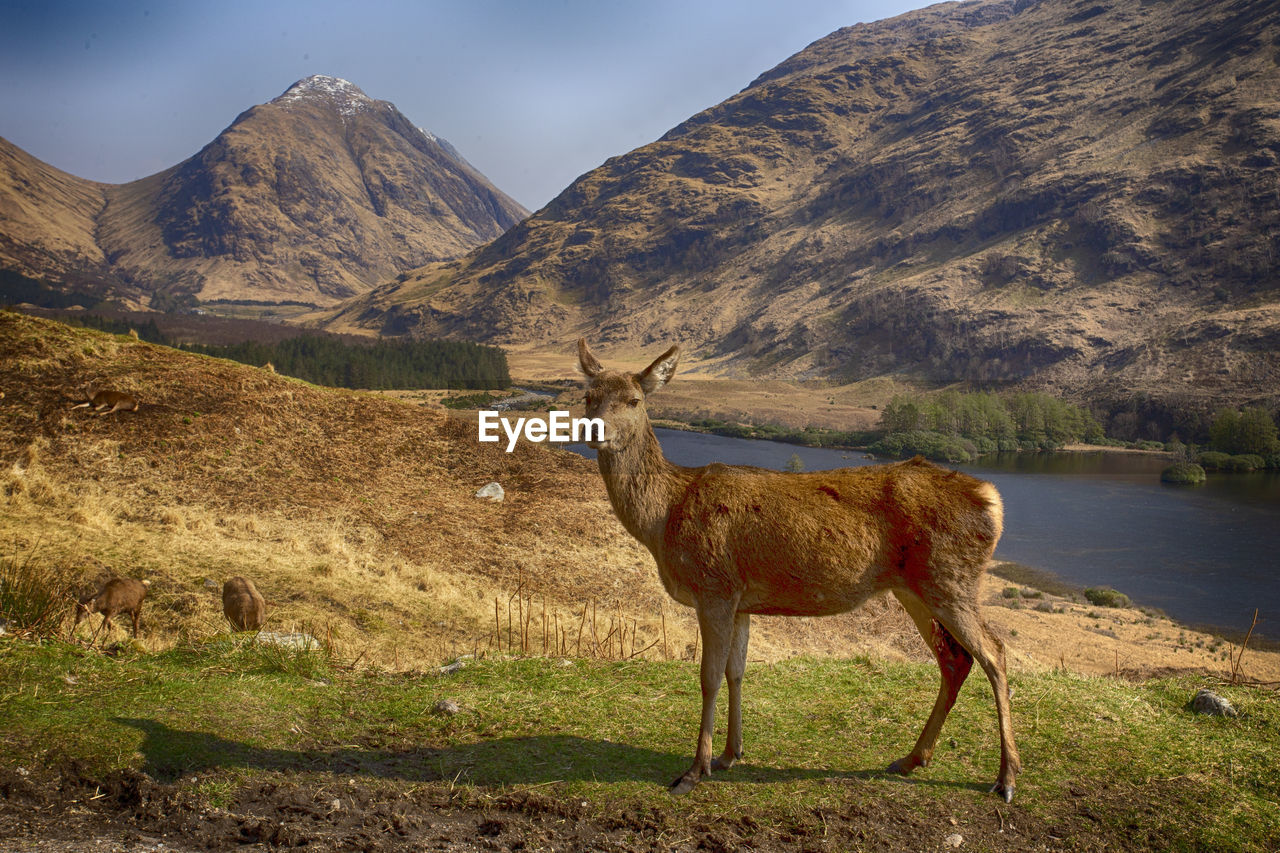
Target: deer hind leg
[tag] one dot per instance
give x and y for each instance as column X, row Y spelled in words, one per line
column 734, row 668
column 716, row 622
column 966, row 625
column 136, row 614
column 954, row 663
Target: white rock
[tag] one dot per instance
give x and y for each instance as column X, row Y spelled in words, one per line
column 305, row 642
column 491, row 492
column 1208, row 702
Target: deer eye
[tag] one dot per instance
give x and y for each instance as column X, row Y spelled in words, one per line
column 633, row 402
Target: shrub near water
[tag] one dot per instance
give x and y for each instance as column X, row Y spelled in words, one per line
column 1107, row 597
column 1183, row 473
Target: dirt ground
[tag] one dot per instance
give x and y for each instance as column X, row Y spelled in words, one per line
column 65, row 811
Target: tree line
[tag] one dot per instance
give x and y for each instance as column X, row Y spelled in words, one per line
column 381, row 365
column 957, row 427
column 333, row 361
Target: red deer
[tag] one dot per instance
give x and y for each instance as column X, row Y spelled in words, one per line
column 107, row 402
column 730, row 541
column 118, row 595
column 242, row 604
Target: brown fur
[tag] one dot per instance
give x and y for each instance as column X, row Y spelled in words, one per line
column 243, row 606
column 117, row 595
column 730, row 541
column 107, row 402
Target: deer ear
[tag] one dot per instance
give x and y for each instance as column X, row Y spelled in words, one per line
column 587, row 362
column 660, row 372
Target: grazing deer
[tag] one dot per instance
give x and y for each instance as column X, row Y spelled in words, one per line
column 107, row 402
column 118, row 595
column 730, row 541
column 242, row 604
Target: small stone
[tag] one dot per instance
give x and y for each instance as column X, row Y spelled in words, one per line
column 953, row 840
column 1208, row 702
column 491, row 492
column 447, row 708
column 451, row 668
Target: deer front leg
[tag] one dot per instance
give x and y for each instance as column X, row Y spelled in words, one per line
column 737, row 664
column 105, row 623
column 716, row 622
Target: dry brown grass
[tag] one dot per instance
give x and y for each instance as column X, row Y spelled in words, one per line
column 353, row 513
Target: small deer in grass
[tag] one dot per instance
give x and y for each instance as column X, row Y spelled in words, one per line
column 242, row 604
column 107, row 402
column 730, row 541
column 118, row 595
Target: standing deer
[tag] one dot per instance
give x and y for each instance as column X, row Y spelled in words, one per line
column 118, row 595
column 107, row 402
column 730, row 541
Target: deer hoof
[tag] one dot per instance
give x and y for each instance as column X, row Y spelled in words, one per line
column 904, row 766
column 1004, row 791
column 683, row 785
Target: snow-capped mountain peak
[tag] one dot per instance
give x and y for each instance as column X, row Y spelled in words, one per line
column 347, row 96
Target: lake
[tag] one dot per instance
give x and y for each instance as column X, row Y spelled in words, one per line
column 1206, row 555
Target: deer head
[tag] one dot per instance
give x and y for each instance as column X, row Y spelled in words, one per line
column 617, row 398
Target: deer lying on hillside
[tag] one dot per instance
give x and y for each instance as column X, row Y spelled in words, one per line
column 730, row 541
column 118, row 595
column 107, row 402
column 242, row 604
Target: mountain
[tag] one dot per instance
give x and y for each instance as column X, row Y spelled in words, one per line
column 315, row 196
column 47, row 217
column 1077, row 195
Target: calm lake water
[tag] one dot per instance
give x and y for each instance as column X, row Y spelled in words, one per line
column 1206, row 555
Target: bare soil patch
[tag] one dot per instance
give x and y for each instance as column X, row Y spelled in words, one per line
column 65, row 810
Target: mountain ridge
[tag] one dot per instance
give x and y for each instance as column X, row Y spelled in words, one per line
column 1075, row 196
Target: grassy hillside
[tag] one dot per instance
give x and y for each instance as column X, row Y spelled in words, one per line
column 354, row 514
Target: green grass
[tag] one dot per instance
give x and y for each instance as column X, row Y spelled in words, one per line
column 1116, row 760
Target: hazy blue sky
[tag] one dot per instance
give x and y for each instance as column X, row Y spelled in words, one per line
column 533, row 94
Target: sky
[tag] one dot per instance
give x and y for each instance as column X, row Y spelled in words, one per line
column 532, row 93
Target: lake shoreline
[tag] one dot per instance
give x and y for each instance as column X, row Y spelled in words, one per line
column 1073, row 447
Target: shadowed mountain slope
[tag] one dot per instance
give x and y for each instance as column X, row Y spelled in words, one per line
column 1081, row 196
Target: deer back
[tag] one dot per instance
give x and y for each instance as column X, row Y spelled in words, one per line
column 117, row 594
column 818, row 543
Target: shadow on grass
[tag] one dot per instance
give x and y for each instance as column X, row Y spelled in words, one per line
column 518, row 761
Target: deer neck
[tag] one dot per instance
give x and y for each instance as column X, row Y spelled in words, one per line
column 642, row 486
